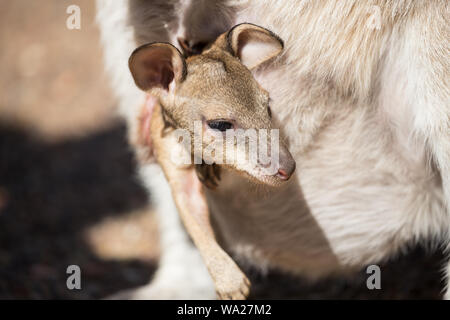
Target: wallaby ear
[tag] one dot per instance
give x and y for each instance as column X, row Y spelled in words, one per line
column 157, row 65
column 253, row 45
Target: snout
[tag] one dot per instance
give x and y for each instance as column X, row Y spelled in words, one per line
column 287, row 165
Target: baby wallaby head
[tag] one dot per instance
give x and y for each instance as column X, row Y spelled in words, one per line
column 216, row 92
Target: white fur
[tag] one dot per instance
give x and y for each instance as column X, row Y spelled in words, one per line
column 365, row 113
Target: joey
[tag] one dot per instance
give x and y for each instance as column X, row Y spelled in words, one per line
column 213, row 92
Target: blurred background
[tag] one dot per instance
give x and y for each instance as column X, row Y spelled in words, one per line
column 68, row 189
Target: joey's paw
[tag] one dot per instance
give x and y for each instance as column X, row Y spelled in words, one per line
column 238, row 289
column 209, row 175
column 230, row 282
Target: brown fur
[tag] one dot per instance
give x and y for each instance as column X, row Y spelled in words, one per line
column 213, row 85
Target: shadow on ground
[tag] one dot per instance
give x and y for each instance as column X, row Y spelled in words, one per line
column 50, row 193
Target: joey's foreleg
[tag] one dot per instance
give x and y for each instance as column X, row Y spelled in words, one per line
column 187, row 191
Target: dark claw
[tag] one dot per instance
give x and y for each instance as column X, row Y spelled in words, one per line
column 209, row 175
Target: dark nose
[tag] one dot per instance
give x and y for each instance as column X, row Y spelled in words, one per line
column 287, row 166
column 190, row 47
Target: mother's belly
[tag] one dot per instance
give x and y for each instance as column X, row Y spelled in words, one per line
column 352, row 202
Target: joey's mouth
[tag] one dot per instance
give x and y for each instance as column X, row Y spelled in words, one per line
column 277, row 171
column 257, row 175
column 266, row 180
column 276, row 179
column 274, row 174
column 209, row 176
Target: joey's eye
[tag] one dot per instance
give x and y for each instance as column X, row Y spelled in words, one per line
column 220, row 125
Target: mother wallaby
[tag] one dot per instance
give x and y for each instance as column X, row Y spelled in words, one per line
column 362, row 94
